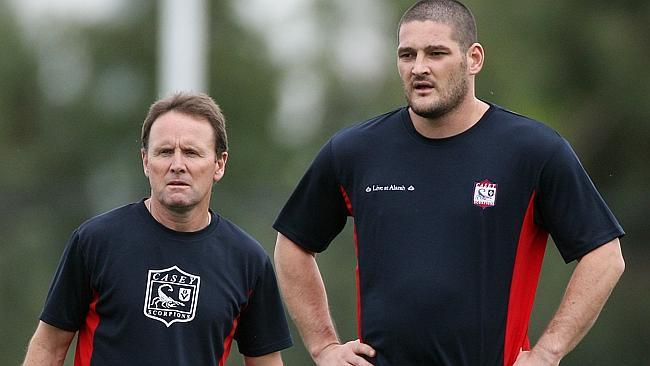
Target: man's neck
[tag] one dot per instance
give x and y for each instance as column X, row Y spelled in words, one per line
column 457, row 121
column 194, row 219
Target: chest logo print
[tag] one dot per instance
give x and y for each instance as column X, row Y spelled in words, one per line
column 172, row 295
column 392, row 187
column 485, row 194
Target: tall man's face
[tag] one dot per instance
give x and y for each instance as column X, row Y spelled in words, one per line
column 433, row 68
column 181, row 162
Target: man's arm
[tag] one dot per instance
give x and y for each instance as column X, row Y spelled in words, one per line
column 303, row 290
column 48, row 346
column 591, row 284
column 272, row 359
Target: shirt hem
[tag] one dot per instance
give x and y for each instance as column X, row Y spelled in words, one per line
column 274, row 347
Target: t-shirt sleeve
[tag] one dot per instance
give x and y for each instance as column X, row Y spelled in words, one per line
column 69, row 295
column 316, row 211
column 263, row 325
column 570, row 208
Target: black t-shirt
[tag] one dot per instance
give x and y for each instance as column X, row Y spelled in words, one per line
column 450, row 233
column 142, row 294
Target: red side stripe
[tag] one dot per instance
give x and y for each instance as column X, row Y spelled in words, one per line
column 358, row 281
column 346, row 198
column 227, row 343
column 348, row 204
column 525, row 276
column 86, row 334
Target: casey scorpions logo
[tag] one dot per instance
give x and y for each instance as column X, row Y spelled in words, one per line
column 172, row 295
column 485, row 194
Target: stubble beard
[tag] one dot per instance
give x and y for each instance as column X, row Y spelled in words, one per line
column 447, row 101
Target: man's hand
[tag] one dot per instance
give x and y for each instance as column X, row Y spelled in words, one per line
column 346, row 354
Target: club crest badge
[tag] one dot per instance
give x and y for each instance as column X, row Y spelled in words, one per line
column 485, row 194
column 172, row 295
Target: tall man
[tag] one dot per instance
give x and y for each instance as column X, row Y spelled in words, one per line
column 166, row 281
column 453, row 199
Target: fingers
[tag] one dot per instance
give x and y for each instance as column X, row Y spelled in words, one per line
column 362, row 348
column 358, row 350
column 351, row 353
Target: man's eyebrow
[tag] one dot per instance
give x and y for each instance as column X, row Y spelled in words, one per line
column 427, row 48
column 405, row 48
column 436, row 47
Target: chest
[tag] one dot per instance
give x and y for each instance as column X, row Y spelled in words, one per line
column 459, row 182
column 149, row 283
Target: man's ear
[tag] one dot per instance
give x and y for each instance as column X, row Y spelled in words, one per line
column 475, row 57
column 220, row 166
column 145, row 162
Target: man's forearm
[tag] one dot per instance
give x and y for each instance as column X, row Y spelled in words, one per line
column 40, row 356
column 304, row 294
column 591, row 284
column 48, row 346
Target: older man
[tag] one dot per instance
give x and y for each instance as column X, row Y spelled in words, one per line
column 165, row 281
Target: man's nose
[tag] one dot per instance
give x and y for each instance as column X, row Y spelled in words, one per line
column 178, row 163
column 420, row 66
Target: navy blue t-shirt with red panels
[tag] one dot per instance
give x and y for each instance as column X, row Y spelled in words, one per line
column 450, row 233
column 139, row 293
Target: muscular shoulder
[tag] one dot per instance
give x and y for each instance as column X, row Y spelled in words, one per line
column 529, row 129
column 523, row 134
column 359, row 135
column 357, row 144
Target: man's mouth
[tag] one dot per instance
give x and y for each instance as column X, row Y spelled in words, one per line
column 178, row 183
column 423, row 86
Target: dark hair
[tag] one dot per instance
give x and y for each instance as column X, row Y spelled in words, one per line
column 450, row 12
column 192, row 104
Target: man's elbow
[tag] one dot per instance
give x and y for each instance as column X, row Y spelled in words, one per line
column 606, row 260
column 285, row 249
column 614, row 258
column 618, row 265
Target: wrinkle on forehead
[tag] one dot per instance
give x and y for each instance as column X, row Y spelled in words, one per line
column 181, row 131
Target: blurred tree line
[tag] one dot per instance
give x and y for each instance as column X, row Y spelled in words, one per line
column 73, row 96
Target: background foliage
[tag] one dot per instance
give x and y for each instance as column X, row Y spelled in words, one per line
column 74, row 92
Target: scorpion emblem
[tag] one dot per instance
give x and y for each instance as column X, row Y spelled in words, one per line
column 163, row 300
